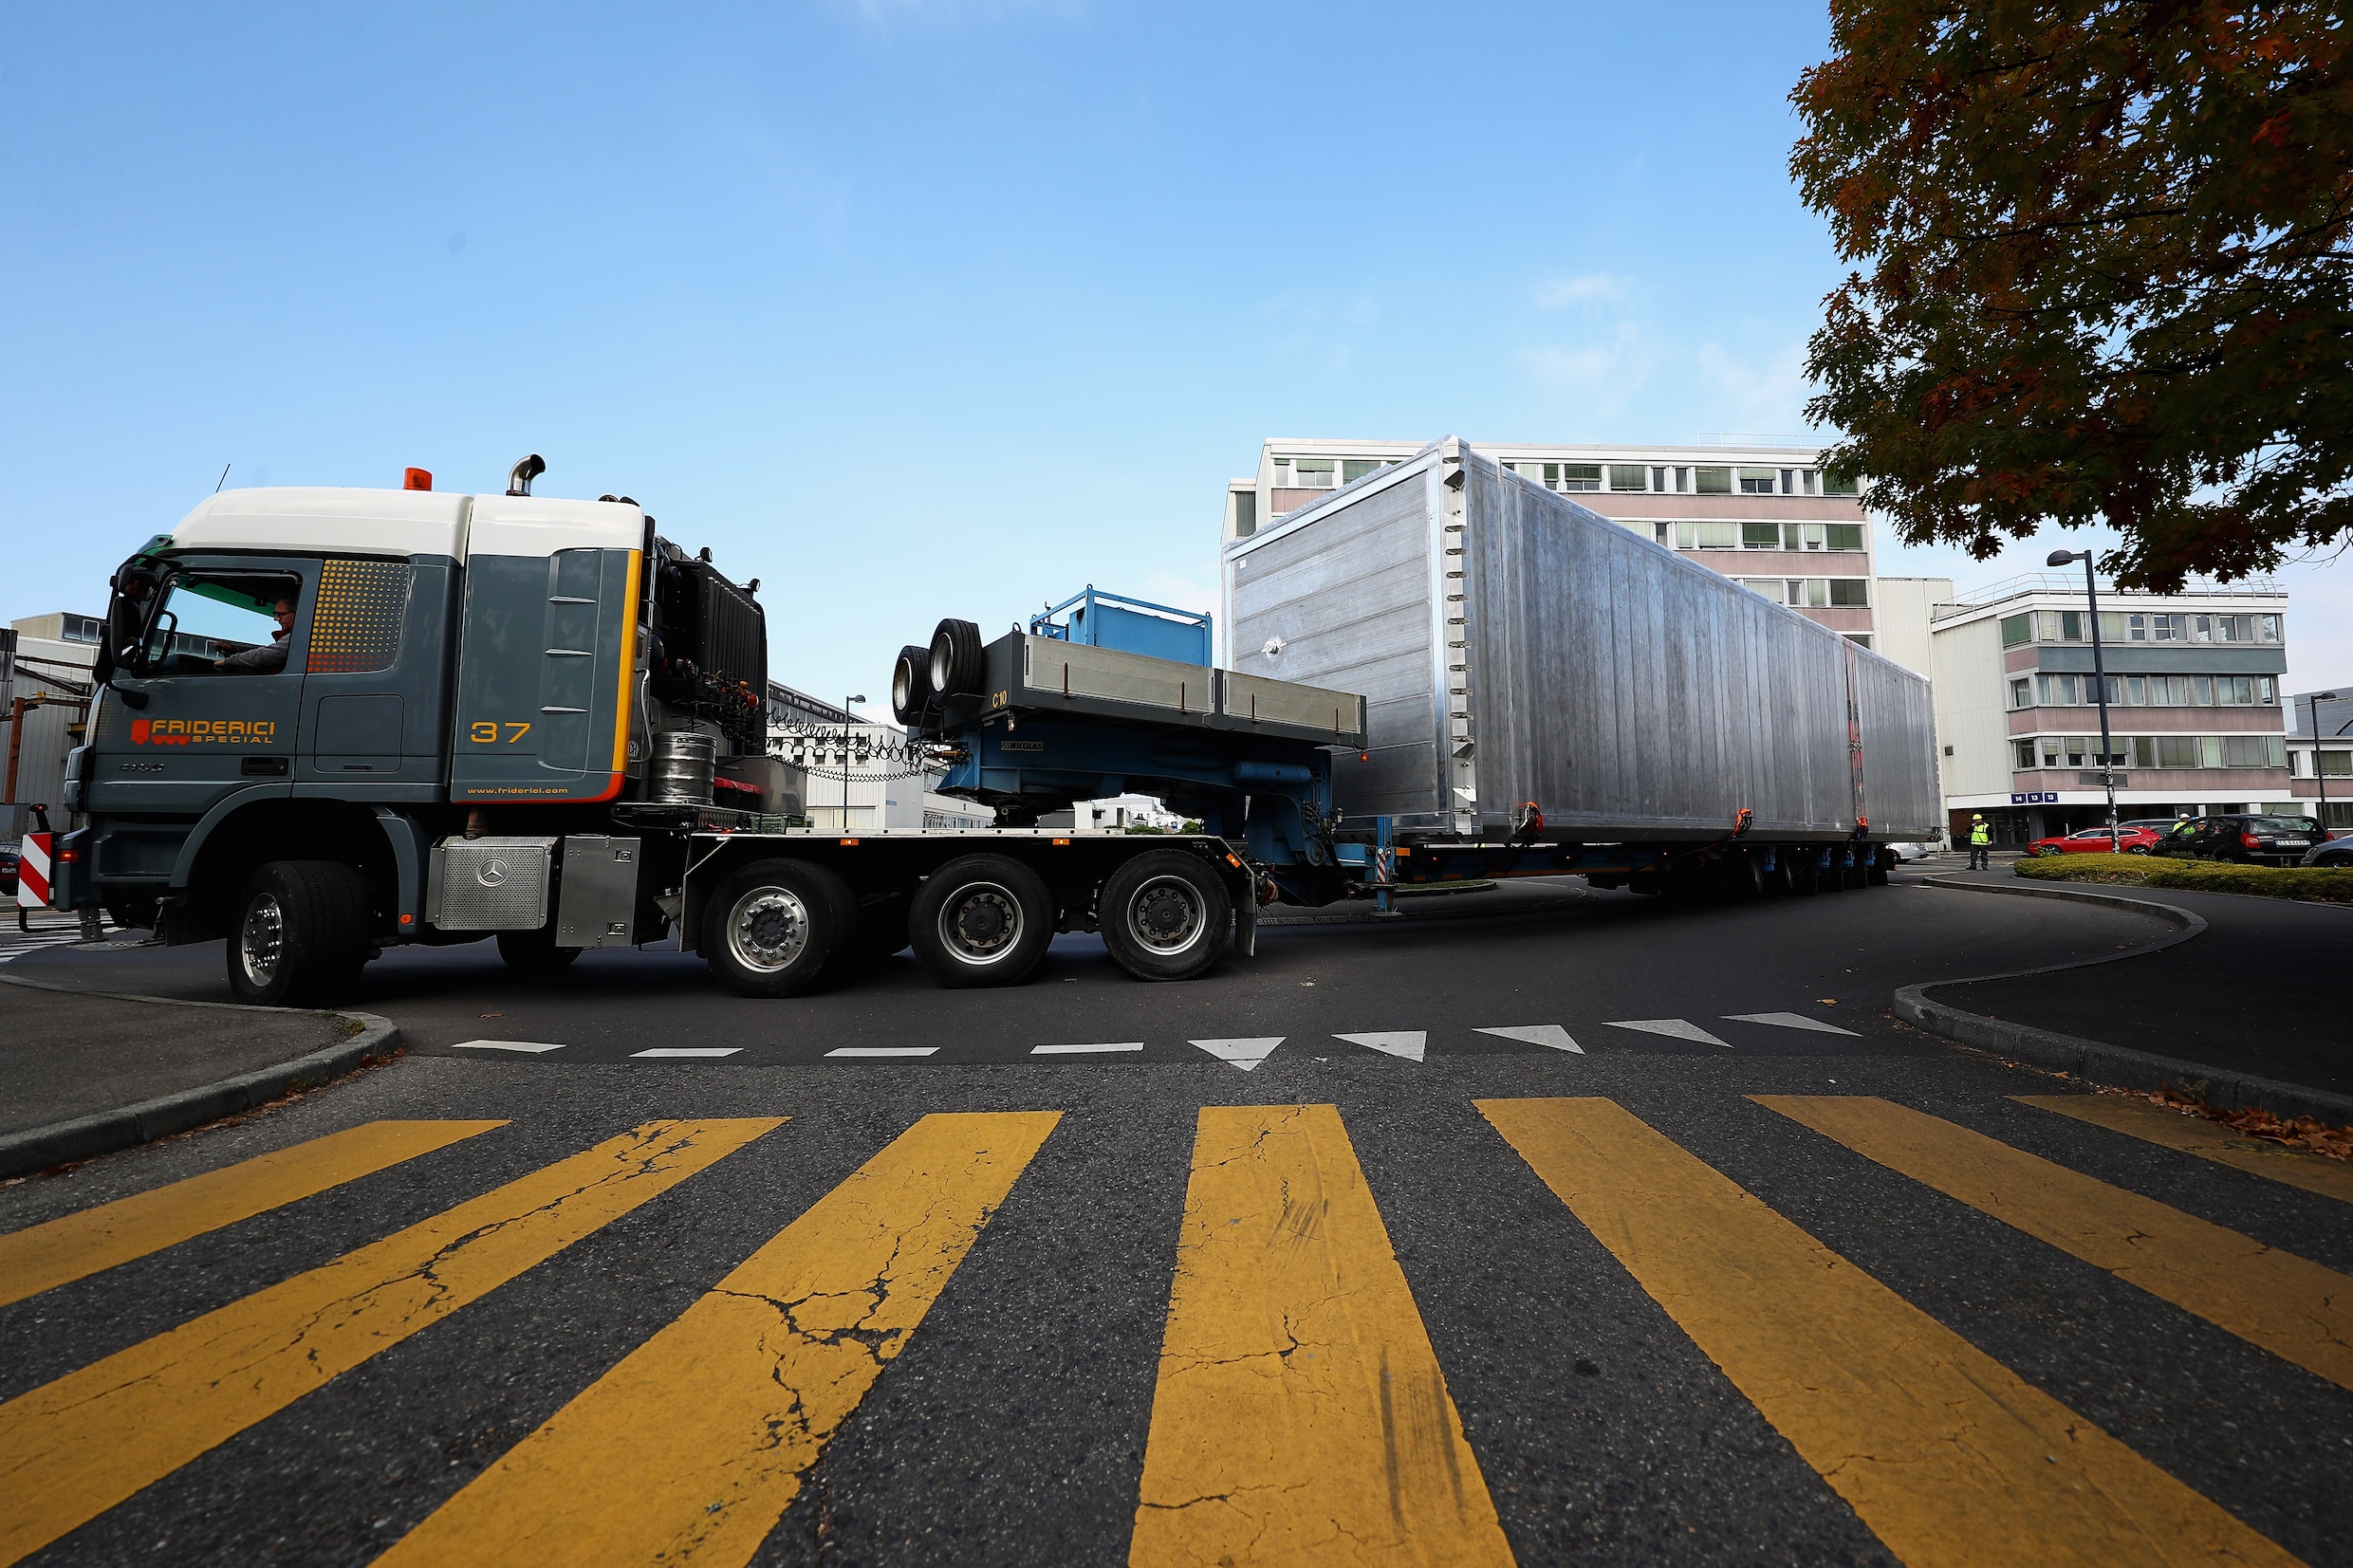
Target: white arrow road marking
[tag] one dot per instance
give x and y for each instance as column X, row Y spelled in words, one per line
column 1407, row 1043
column 882, row 1050
column 1673, row 1028
column 533, row 1046
column 690, row 1050
column 1791, row 1021
column 1084, row 1051
column 1540, row 1034
column 1244, row 1054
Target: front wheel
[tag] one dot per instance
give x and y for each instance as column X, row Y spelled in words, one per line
column 1164, row 915
column 535, row 951
column 773, row 928
column 299, row 937
column 982, row 920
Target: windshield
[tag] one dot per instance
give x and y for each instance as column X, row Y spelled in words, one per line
column 221, row 623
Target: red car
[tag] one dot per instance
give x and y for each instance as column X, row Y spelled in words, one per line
column 2094, row 841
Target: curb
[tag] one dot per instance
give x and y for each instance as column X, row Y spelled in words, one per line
column 2117, row 1066
column 105, row 1132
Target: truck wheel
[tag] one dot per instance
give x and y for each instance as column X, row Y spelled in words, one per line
column 1804, row 873
column 772, row 926
column 300, row 935
column 1877, row 875
column 535, row 951
column 982, row 920
column 880, row 934
column 1164, row 915
column 959, row 659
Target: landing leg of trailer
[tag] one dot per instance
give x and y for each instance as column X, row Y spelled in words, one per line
column 1384, row 868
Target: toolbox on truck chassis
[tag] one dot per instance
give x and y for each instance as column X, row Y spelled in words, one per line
column 537, row 719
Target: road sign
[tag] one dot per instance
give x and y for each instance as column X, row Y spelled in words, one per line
column 32, row 871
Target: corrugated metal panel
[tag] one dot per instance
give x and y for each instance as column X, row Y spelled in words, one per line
column 1624, row 691
column 1053, row 664
column 1258, row 700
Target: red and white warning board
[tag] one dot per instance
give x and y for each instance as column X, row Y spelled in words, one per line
column 32, row 871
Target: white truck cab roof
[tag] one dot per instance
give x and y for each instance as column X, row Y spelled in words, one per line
column 406, row 522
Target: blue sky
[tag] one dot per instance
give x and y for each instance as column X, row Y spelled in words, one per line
column 909, row 309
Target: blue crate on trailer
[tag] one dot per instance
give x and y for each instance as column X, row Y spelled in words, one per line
column 1099, row 618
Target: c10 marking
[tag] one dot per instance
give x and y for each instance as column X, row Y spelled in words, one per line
column 485, row 731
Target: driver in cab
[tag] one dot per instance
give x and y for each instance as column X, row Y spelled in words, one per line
column 267, row 658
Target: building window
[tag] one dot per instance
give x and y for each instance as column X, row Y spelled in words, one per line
column 1860, row 639
column 2334, row 765
column 1354, row 468
column 2022, row 692
column 74, row 628
column 1576, row 476
column 1760, row 481
column 1707, row 536
column 1844, row 536
column 2024, row 753
column 2017, row 630
column 1713, row 481
column 1834, row 485
column 1245, row 513
column 1760, row 536
column 1850, row 592
column 1628, row 477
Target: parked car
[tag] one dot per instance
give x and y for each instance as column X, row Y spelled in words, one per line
column 2250, row 838
column 2094, row 841
column 8, row 871
column 2337, row 851
column 1916, row 852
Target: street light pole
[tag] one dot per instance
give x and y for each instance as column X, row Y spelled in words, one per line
column 849, row 713
column 2312, row 704
column 2100, row 676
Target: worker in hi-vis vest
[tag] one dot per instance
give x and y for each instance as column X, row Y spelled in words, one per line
column 1980, row 843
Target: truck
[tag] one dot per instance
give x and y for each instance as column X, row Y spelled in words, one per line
column 426, row 717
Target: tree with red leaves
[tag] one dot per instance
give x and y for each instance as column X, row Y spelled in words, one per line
column 2109, row 277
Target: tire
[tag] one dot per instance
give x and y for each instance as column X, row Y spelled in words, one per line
column 959, row 660
column 1804, row 873
column 1876, row 875
column 911, row 684
column 1743, row 877
column 982, row 920
column 2138, row 849
column 880, row 934
column 1165, row 916
column 774, row 927
column 535, row 951
column 299, row 937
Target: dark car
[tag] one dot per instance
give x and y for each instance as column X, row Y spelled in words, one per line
column 8, row 872
column 2250, row 838
column 2334, row 852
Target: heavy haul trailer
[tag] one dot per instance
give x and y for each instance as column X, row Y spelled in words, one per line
column 1549, row 691
column 537, row 719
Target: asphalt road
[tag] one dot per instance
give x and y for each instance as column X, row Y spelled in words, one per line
column 989, row 1340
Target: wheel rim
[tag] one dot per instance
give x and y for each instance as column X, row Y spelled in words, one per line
column 768, row 930
column 261, row 944
column 981, row 923
column 1166, row 915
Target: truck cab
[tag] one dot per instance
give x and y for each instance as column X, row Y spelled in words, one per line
column 307, row 694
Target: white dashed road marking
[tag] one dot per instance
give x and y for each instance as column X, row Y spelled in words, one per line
column 882, row 1050
column 689, row 1050
column 1550, row 1035
column 1791, row 1021
column 531, row 1045
column 1408, row 1043
column 1673, row 1028
column 1084, row 1050
column 1244, row 1054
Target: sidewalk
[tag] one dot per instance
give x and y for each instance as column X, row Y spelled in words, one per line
column 83, row 1075
column 2261, row 991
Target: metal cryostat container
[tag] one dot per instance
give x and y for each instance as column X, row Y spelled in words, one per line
column 1518, row 651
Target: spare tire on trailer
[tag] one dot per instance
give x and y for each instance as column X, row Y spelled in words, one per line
column 1164, row 915
column 773, row 928
column 982, row 920
column 911, row 684
column 959, row 660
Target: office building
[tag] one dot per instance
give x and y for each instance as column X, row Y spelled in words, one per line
column 2323, row 772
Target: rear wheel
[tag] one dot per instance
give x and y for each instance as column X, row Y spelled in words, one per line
column 1805, row 872
column 1164, row 915
column 982, row 920
column 773, row 926
column 1877, row 875
column 300, row 937
column 535, row 951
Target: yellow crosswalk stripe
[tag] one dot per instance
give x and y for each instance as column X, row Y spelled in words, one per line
column 1949, row 1457
column 693, row 1447
column 2289, row 1305
column 1300, row 1415
column 43, row 1257
column 2207, row 1141
column 75, row 1448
